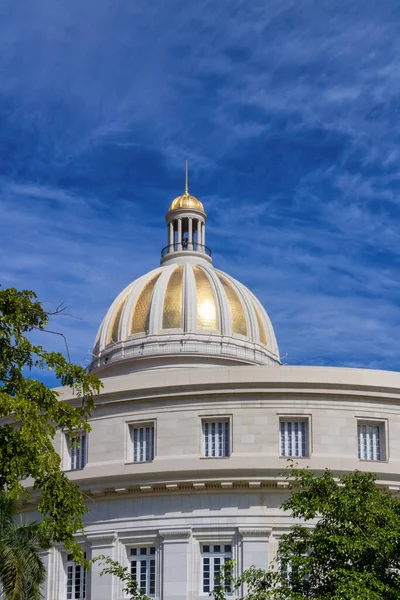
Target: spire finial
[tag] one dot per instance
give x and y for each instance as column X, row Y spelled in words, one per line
column 187, row 179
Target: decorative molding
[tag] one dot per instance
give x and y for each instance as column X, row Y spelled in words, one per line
column 280, row 530
column 102, row 540
column 157, row 346
column 175, row 535
column 172, row 487
column 282, row 484
column 162, row 487
column 136, row 538
column 221, row 534
column 267, row 484
column 254, row 532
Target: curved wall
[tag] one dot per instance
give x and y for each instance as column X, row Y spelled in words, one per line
column 181, row 501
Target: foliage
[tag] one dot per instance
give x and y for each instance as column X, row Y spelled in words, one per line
column 350, row 550
column 131, row 586
column 30, row 414
column 21, row 569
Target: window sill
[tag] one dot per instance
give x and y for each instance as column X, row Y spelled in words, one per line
column 296, row 457
column 214, row 457
column 73, row 470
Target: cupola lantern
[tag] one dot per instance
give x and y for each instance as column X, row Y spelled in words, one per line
column 186, row 221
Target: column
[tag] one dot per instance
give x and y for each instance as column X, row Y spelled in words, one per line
column 171, row 237
column 54, row 585
column 179, row 235
column 190, row 234
column 255, row 547
column 175, row 580
column 203, row 235
column 103, row 587
column 199, row 242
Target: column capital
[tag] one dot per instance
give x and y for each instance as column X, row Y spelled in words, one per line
column 251, row 533
column 102, row 540
column 175, row 535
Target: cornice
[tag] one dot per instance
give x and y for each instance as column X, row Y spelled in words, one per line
column 210, row 486
column 176, row 383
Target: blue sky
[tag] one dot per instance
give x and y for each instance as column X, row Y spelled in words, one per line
column 289, row 114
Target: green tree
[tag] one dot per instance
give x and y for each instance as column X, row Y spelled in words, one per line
column 22, row 572
column 349, row 550
column 30, row 414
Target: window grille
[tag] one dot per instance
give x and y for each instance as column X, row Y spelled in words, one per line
column 143, row 569
column 216, row 442
column 143, row 443
column 214, row 556
column 294, row 438
column 76, row 580
column 369, row 442
column 78, row 451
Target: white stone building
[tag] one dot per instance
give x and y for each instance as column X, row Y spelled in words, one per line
column 196, row 421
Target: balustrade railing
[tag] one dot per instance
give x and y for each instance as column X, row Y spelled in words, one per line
column 185, row 246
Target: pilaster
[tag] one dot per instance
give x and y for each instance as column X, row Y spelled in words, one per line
column 176, row 545
column 254, row 543
column 103, row 587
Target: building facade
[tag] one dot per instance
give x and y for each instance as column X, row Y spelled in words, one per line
column 196, row 423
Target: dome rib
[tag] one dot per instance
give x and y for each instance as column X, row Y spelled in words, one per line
column 182, row 312
column 262, row 334
column 238, row 317
column 114, row 327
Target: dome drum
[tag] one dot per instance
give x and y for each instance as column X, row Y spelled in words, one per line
column 183, row 351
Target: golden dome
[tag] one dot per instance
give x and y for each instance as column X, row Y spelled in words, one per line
column 186, row 309
column 186, row 201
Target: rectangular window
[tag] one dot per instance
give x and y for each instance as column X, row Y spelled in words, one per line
column 143, row 569
column 287, row 570
column 216, row 439
column 143, row 442
column 292, row 574
column 78, row 451
column 370, row 441
column 294, row 438
column 76, row 580
column 214, row 556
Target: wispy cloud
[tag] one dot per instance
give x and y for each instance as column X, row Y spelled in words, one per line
column 288, row 113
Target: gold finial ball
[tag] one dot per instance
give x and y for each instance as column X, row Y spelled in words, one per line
column 186, row 201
